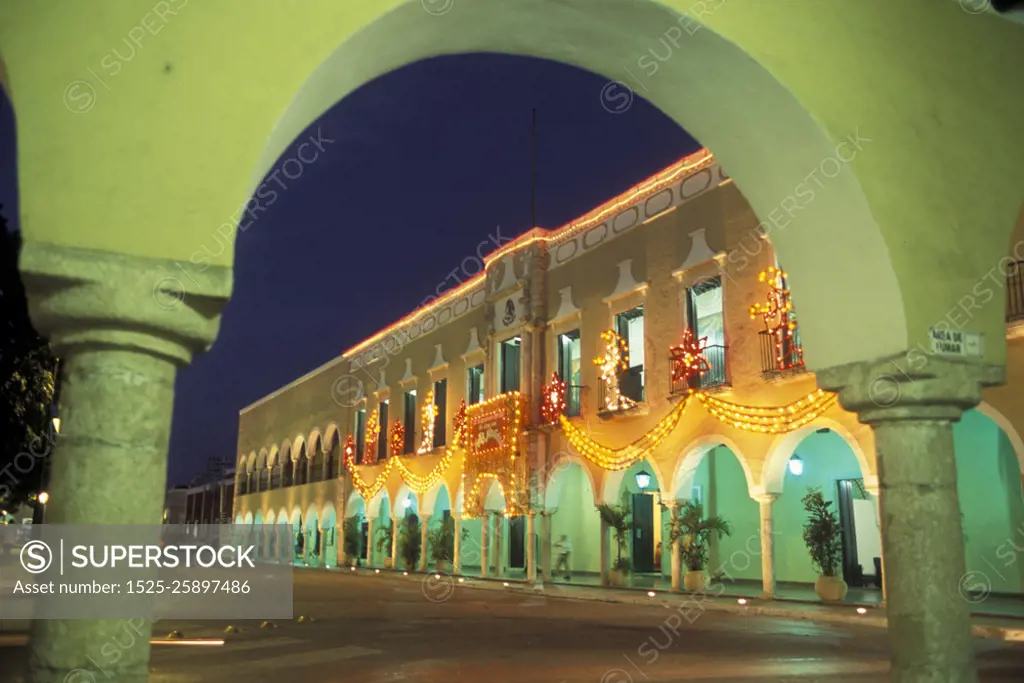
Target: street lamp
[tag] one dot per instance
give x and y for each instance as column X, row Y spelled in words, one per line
column 643, row 480
column 796, row 466
column 407, row 503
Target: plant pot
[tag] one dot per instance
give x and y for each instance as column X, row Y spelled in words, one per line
column 387, row 563
column 618, row 577
column 443, row 566
column 694, row 580
column 830, row 588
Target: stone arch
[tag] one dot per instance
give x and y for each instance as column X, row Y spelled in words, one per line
column 263, row 471
column 315, row 457
column 493, row 496
column 1009, row 430
column 379, row 506
column 287, row 464
column 355, row 505
column 611, row 486
column 693, row 454
column 773, row 472
column 300, row 462
column 276, row 467
column 331, row 529
column 433, row 496
column 406, row 494
column 333, row 443
column 556, row 479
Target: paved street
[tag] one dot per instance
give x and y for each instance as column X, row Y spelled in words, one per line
column 376, row 629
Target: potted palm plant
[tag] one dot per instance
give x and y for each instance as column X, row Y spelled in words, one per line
column 694, row 532
column 351, row 530
column 822, row 535
column 384, row 543
column 618, row 518
column 409, row 541
column 441, row 544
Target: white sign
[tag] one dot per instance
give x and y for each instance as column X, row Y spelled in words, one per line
column 956, row 343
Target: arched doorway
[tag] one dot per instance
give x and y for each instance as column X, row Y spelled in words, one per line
column 570, row 499
column 639, row 489
column 329, row 542
column 355, row 529
column 381, row 542
column 312, row 538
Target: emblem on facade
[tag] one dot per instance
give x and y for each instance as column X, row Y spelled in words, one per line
column 510, row 313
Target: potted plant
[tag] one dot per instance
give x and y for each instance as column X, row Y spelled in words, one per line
column 694, row 531
column 384, row 543
column 441, row 544
column 618, row 518
column 351, row 530
column 409, row 541
column 822, row 535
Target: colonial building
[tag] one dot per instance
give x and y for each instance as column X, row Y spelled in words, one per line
column 646, row 355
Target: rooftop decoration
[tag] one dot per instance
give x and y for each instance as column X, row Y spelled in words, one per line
column 429, row 418
column 688, row 359
column 553, row 402
column 779, row 319
column 614, row 361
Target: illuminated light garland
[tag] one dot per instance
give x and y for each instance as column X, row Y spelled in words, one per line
column 500, row 461
column 422, row 484
column 397, row 438
column 773, row 420
column 779, row 318
column 429, row 419
column 553, row 404
column 460, row 425
column 372, row 434
column 688, row 359
column 366, row 490
column 621, row 458
column 614, row 361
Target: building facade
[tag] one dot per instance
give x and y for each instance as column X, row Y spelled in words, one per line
column 208, row 499
column 647, row 355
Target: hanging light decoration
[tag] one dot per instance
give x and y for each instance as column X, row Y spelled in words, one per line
column 372, row 434
column 553, row 404
column 429, row 418
column 770, row 420
column 688, row 360
column 459, row 425
column 397, row 438
column 779, row 319
column 614, row 361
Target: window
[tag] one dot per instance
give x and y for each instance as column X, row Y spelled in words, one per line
column 570, row 370
column 630, row 326
column 509, row 365
column 441, row 420
column 409, row 422
column 360, row 434
column 382, row 437
column 705, row 318
column 475, row 384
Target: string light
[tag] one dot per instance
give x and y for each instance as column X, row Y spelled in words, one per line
column 779, row 319
column 372, row 434
column 770, row 420
column 614, row 361
column 688, row 357
column 492, row 451
column 460, row 424
column 429, row 418
column 553, row 404
column 397, row 438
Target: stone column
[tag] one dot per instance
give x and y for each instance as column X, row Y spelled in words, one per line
column 545, row 544
column 765, row 501
column 485, row 544
column 606, row 561
column 531, row 549
column 876, row 492
column 673, row 507
column 122, row 326
column 911, row 405
column 394, row 543
column 424, row 528
column 371, row 523
column 457, row 560
column 499, row 544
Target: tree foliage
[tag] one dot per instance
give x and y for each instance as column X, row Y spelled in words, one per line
column 28, row 384
column 694, row 532
column 822, row 533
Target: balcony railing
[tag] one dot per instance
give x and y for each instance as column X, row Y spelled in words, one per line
column 714, row 376
column 631, row 385
column 1015, row 292
column 792, row 361
column 572, row 400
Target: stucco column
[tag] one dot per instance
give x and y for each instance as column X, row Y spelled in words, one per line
column 545, row 544
column 122, row 326
column 673, row 508
column 394, row 543
column 765, row 502
column 371, row 523
column 911, row 405
column 499, row 544
column 485, row 544
column 606, row 560
column 424, row 527
column 531, row 545
column 457, row 560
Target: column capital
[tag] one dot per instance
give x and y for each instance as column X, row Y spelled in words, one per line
column 765, row 497
column 83, row 298
column 910, row 386
column 547, row 512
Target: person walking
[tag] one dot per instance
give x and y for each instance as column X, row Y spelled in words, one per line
column 564, row 551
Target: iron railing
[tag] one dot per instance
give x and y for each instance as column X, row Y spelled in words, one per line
column 791, row 356
column 631, row 385
column 714, row 376
column 573, row 400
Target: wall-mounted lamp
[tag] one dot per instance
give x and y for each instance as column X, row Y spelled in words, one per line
column 796, row 466
column 643, row 480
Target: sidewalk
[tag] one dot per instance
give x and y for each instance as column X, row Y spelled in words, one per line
column 691, row 605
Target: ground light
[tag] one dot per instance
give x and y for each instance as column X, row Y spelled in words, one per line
column 861, row 610
column 651, row 594
column 461, row 579
column 796, row 466
column 376, row 571
column 742, row 601
column 505, row 584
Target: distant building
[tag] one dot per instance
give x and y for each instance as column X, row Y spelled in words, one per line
column 208, row 499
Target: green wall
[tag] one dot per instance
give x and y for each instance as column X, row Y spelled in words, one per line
column 577, row 518
column 724, row 493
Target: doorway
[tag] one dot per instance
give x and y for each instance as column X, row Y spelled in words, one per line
column 517, row 543
column 643, row 533
column 862, row 547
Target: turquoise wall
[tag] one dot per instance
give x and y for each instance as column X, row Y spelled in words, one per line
column 577, row 518
column 989, row 487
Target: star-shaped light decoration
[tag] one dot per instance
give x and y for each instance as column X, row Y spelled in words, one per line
column 688, row 359
column 460, row 425
column 553, row 405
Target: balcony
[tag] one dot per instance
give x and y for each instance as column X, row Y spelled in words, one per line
column 792, row 359
column 1015, row 292
column 573, row 400
column 714, row 376
column 631, row 385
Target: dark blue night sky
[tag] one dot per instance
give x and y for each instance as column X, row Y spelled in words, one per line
column 427, row 162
